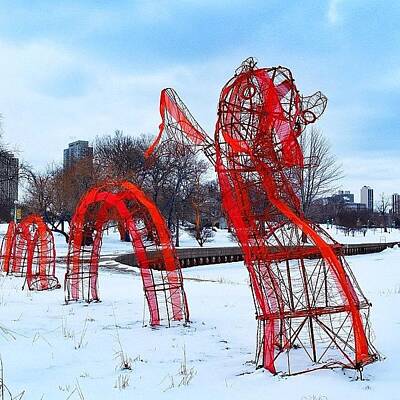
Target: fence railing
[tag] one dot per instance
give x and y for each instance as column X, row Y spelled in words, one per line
column 191, row 257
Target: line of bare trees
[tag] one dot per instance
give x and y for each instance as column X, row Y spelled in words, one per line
column 175, row 180
column 179, row 181
column 357, row 219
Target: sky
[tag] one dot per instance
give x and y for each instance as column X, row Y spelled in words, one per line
column 76, row 69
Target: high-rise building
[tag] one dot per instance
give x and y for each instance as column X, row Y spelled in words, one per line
column 396, row 203
column 343, row 196
column 367, row 197
column 77, row 151
column 9, row 177
column 344, row 199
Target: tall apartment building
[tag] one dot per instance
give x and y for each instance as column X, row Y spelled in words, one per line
column 396, row 203
column 9, row 177
column 367, row 197
column 343, row 199
column 77, row 151
column 343, row 196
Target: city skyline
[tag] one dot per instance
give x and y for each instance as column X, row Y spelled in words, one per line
column 357, row 196
column 84, row 148
column 354, row 191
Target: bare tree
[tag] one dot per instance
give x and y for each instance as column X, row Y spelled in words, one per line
column 186, row 169
column 42, row 197
column 55, row 192
column 120, row 156
column 382, row 206
column 321, row 174
column 204, row 211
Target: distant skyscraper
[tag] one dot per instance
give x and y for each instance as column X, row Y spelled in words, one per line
column 9, row 177
column 367, row 197
column 396, row 203
column 343, row 199
column 343, row 196
column 77, row 151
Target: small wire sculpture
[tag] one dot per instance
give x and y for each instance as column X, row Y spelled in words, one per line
column 28, row 251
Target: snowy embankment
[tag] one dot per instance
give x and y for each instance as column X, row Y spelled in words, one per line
column 376, row 235
column 222, row 238
column 113, row 246
column 56, row 351
column 53, row 350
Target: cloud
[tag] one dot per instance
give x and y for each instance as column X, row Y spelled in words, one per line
column 333, row 12
column 389, row 80
column 378, row 170
column 73, row 71
column 51, row 96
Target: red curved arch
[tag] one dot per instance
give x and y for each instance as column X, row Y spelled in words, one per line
column 130, row 207
column 31, row 253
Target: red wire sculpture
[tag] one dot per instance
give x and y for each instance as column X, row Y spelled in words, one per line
column 126, row 204
column 29, row 251
column 305, row 295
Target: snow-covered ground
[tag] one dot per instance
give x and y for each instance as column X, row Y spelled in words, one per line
column 53, row 350
column 112, row 244
column 56, row 351
column 376, row 235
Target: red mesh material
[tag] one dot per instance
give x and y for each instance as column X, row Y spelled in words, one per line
column 30, row 252
column 309, row 306
column 126, row 204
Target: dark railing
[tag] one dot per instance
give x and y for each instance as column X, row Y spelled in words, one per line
column 191, row 257
column 366, row 248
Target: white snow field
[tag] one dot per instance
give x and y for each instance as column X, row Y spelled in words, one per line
column 376, row 235
column 112, row 245
column 57, row 351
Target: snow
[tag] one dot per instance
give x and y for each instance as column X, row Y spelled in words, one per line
column 222, row 238
column 376, row 235
column 113, row 246
column 51, row 349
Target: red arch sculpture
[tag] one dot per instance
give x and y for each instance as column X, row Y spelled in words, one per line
column 128, row 205
column 29, row 251
column 304, row 292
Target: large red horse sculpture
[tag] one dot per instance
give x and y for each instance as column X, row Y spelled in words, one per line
column 304, row 292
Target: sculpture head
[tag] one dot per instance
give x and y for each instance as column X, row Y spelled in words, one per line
column 261, row 111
